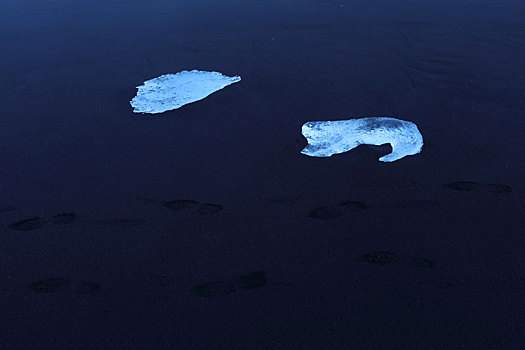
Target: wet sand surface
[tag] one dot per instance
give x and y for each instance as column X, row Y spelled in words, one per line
column 205, row 228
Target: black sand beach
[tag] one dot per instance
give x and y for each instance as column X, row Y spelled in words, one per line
column 205, row 228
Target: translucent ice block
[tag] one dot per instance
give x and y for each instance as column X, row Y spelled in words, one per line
column 172, row 91
column 326, row 138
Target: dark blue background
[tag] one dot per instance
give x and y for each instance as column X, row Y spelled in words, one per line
column 69, row 142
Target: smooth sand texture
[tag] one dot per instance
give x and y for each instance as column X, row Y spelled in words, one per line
column 322, row 229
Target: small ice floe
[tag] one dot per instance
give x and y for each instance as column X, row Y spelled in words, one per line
column 326, row 138
column 172, row 91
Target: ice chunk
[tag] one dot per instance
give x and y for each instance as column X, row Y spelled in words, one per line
column 331, row 137
column 172, row 91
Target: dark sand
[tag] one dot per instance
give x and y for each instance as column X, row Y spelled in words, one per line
column 121, row 272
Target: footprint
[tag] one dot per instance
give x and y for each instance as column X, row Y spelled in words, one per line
column 325, row 213
column 6, row 208
column 209, row 208
column 423, row 203
column 421, row 263
column 384, row 257
column 351, row 206
column 214, row 289
column 494, row 188
column 122, row 222
column 468, row 186
column 68, row 218
column 49, row 285
column 27, row 224
column 181, row 205
column 63, row 219
column 36, row 222
column 87, row 288
column 333, row 212
column 465, row 186
column 253, row 280
column 52, row 285
column 188, row 206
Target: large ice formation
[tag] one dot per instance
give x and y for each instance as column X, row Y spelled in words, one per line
column 172, row 91
column 331, row 137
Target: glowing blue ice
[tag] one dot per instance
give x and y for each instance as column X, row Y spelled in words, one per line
column 172, row 91
column 326, row 138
